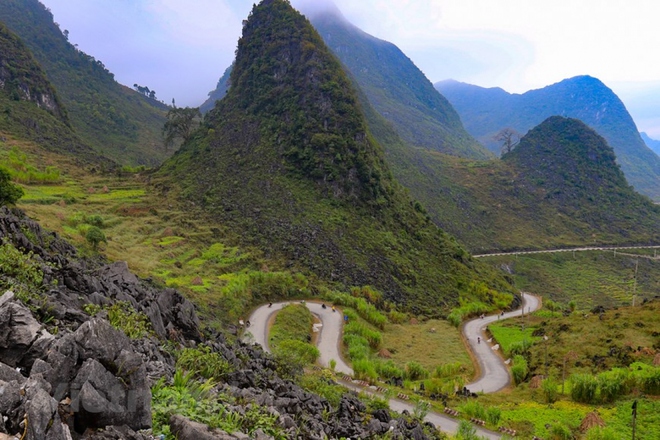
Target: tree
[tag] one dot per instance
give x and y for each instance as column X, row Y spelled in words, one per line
column 509, row 139
column 95, row 236
column 180, row 124
column 9, row 193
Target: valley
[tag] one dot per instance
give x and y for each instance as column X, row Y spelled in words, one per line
column 330, row 251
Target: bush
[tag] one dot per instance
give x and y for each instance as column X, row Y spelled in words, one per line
column 388, row 370
column 95, row 236
column 124, row 317
column 583, row 388
column 519, row 369
column 372, row 336
column 9, row 193
column 650, row 380
column 472, row 408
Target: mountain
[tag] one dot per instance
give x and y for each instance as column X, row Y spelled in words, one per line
column 485, row 112
column 286, row 158
column 31, row 106
column 115, row 120
column 393, row 85
column 560, row 187
column 653, row 144
column 219, row 92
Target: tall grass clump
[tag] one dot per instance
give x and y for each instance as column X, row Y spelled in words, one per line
column 583, row 388
column 447, row 370
column 365, row 309
column 549, row 388
column 373, row 337
column 415, row 371
column 519, row 370
column 613, row 384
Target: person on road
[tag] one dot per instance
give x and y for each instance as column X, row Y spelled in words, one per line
column 478, row 340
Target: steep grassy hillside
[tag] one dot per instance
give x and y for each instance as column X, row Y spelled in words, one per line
column 287, row 159
column 31, row 108
column 487, row 111
column 116, row 121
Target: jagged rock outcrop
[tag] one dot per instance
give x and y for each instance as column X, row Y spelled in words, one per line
column 88, row 380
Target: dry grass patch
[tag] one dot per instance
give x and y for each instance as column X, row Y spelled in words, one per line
column 418, row 342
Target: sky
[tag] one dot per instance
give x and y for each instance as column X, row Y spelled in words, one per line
column 180, row 48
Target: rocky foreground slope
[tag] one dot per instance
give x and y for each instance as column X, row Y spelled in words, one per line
column 67, row 375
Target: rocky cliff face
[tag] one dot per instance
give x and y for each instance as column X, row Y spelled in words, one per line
column 67, row 375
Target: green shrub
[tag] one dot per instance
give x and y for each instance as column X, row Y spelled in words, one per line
column 365, row 369
column 299, row 351
column 650, row 380
column 519, row 370
column 124, row 317
column 396, row 317
column 583, row 388
column 374, row 337
column 19, row 271
column 9, row 193
column 520, row 347
column 388, row 370
column 466, row 431
column 95, row 237
column 472, row 408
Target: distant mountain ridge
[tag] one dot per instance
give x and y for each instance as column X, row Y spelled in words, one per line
column 485, row 112
column 287, row 160
column 115, row 120
column 653, row 144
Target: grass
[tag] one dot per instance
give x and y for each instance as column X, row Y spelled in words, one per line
column 588, row 278
column 443, row 346
column 510, row 335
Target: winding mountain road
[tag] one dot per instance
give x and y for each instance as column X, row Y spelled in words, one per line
column 580, row 249
column 494, row 374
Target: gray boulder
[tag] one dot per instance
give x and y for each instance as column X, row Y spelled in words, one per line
column 20, row 329
column 186, row 429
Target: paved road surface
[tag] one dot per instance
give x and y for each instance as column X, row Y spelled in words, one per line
column 582, row 249
column 329, row 338
column 494, row 374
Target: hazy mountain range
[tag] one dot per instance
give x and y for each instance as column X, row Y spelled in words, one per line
column 485, row 112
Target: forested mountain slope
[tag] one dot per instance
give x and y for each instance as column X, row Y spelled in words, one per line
column 287, row 159
column 115, row 120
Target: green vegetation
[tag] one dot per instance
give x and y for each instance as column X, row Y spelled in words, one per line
column 330, row 207
column 124, row 317
column 9, row 193
column 115, row 120
column 290, row 339
column 195, row 400
column 20, row 272
column 203, row 362
column 589, row 279
column 180, row 124
column 397, row 89
column 486, row 111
